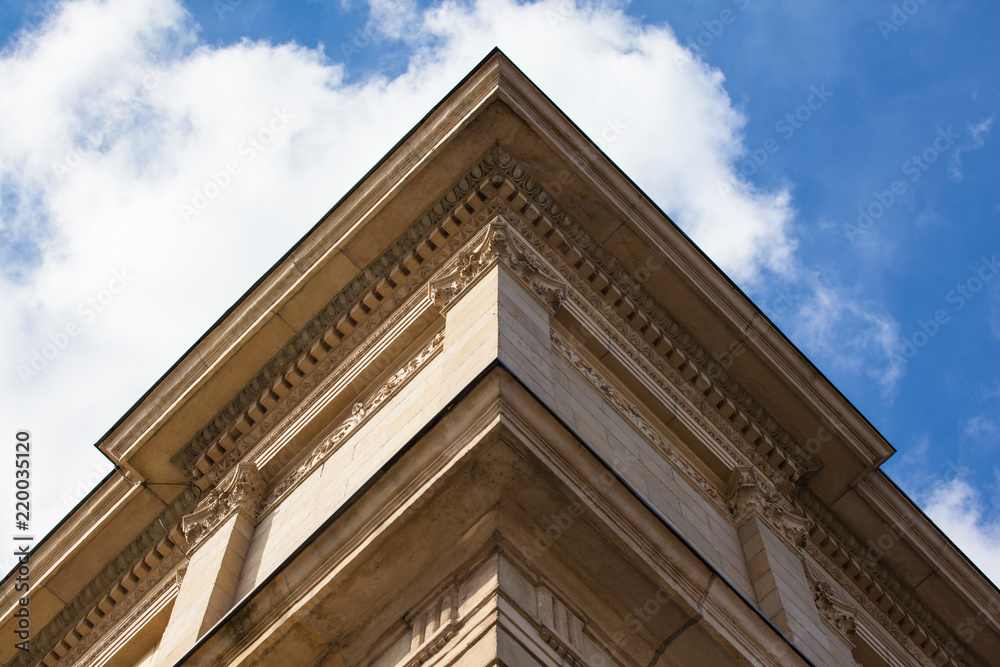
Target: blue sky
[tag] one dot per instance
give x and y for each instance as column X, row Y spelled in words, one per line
column 838, row 160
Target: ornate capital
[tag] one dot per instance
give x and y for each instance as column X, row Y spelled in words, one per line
column 750, row 495
column 527, row 266
column 464, row 269
column 498, row 243
column 838, row 614
column 240, row 491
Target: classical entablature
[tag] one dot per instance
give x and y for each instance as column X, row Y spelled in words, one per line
column 495, row 408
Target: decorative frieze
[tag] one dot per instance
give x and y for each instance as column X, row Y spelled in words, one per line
column 241, row 491
column 360, row 412
column 752, row 496
column 631, row 413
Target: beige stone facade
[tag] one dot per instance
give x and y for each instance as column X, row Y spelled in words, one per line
column 496, row 409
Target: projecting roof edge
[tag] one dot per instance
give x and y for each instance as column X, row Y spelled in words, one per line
column 231, row 330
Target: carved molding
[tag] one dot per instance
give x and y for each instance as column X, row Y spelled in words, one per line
column 631, row 413
column 246, row 409
column 703, row 389
column 433, row 626
column 157, row 588
column 867, row 603
column 722, row 422
column 462, row 271
column 241, row 491
column 498, row 244
column 525, row 264
column 856, row 566
column 285, row 365
column 561, row 629
column 300, row 400
column 360, row 412
column 105, row 590
column 838, row 613
column 645, row 311
column 752, row 496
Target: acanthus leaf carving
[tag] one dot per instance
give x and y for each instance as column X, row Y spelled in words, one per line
column 240, row 491
column 752, row 495
column 840, row 615
column 464, row 269
column 359, row 412
column 498, row 243
column 528, row 267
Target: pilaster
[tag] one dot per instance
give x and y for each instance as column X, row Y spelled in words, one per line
column 772, row 535
column 219, row 531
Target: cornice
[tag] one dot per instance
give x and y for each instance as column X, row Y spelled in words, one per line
column 930, row 543
column 156, row 590
column 896, row 604
column 314, row 342
column 652, row 320
column 338, row 319
column 404, row 298
column 626, row 201
column 639, row 332
column 97, row 599
column 629, row 315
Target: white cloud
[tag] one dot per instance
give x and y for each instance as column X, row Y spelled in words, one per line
column 973, row 143
column 983, row 429
column 394, row 18
column 854, row 335
column 117, row 118
column 958, row 507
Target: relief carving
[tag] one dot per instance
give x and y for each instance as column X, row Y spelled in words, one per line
column 498, row 244
column 359, row 412
column 464, row 269
column 561, row 629
column 840, row 615
column 631, row 413
column 241, row 491
column 433, row 626
column 751, row 495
